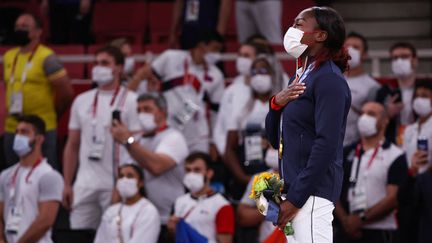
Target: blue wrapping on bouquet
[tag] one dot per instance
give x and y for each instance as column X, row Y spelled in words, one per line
column 272, row 212
column 185, row 233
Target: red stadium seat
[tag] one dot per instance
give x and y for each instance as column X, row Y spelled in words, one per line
column 231, row 31
column 119, row 19
column 157, row 48
column 75, row 70
column 160, row 19
column 290, row 10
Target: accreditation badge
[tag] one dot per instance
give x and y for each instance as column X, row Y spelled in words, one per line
column 192, row 10
column 13, row 220
column 16, row 103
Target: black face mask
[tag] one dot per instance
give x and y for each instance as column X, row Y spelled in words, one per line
column 21, row 37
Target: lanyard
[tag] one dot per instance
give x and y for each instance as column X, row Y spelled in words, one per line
column 14, row 177
column 26, row 68
column 120, row 220
column 95, row 101
column 304, row 68
column 357, row 160
column 190, row 79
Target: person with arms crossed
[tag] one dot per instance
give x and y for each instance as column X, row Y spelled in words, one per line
column 160, row 150
column 90, row 144
column 30, row 191
column 306, row 123
column 36, row 83
column 133, row 220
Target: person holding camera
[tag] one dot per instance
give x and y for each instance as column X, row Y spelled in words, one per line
column 375, row 169
column 159, row 150
column 90, row 143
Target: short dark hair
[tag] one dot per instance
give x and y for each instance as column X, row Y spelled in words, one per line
column 405, row 45
column 37, row 20
column 140, row 173
column 205, row 37
column 37, row 123
column 199, row 155
column 158, row 99
column 114, row 52
column 361, row 37
column 423, row 83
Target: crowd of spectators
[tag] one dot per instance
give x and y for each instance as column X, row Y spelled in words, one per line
column 156, row 152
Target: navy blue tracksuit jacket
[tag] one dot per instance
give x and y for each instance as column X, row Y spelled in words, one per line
column 313, row 130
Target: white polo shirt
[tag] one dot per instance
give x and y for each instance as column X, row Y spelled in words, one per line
column 163, row 190
column 174, row 64
column 411, row 135
column 140, row 222
column 100, row 174
column 388, row 167
column 233, row 100
column 209, row 215
column 33, row 186
column 363, row 89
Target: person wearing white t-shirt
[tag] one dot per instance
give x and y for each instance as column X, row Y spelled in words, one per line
column 207, row 212
column 90, row 144
column 133, row 220
column 160, row 151
column 247, row 212
column 244, row 147
column 189, row 83
column 375, row 170
column 30, row 191
column 363, row 87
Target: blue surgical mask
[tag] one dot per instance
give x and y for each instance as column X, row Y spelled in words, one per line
column 21, row 145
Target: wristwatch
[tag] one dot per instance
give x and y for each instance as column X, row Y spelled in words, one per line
column 129, row 142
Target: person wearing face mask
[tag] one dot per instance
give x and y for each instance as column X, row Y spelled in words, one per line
column 247, row 213
column 375, row 170
column 190, row 85
column 306, row 123
column 201, row 211
column 133, row 220
column 90, row 150
column 36, row 83
column 244, row 153
column 31, row 190
column 363, row 87
column 160, row 150
column 398, row 100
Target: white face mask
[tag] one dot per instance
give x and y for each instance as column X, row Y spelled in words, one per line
column 244, row 65
column 194, row 182
column 401, row 67
column 127, row 187
column 355, row 60
column 102, row 75
column 129, row 65
column 261, row 83
column 212, row 58
column 147, row 121
column 367, row 125
column 21, row 145
column 292, row 43
column 422, row 106
column 272, row 159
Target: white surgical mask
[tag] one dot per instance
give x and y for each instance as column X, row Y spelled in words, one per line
column 243, row 65
column 129, row 65
column 401, row 67
column 127, row 187
column 102, row 75
column 147, row 121
column 272, row 158
column 355, row 60
column 367, row 125
column 21, row 145
column 212, row 58
column 261, row 83
column 194, row 182
column 292, row 43
column 422, row 106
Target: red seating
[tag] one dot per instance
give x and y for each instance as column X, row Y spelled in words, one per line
column 290, row 10
column 119, row 19
column 75, row 70
column 160, row 20
column 231, row 29
column 157, row 48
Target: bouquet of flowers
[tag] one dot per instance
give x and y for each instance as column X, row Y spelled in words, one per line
column 266, row 191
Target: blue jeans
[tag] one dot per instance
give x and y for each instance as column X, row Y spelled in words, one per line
column 49, row 149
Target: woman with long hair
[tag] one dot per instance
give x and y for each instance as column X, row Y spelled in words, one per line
column 306, row 122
